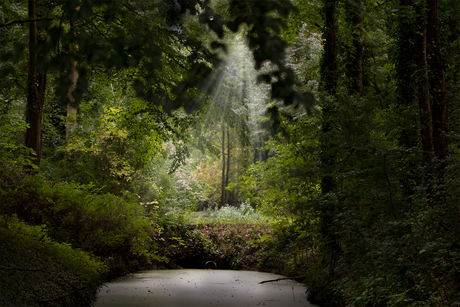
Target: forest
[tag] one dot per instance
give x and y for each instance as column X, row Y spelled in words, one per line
column 311, row 138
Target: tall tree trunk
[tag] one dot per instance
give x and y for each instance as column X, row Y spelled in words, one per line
column 36, row 85
column 452, row 54
column 328, row 146
column 329, row 61
column 437, row 85
column 73, row 78
column 354, row 63
column 423, row 91
column 227, row 177
column 437, row 90
column 222, row 202
column 406, row 68
column 452, row 67
column 405, row 59
column 71, row 109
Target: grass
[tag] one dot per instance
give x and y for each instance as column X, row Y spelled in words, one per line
column 245, row 213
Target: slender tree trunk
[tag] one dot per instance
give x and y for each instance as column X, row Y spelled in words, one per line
column 354, row 63
column 406, row 72
column 73, row 78
column 437, row 85
column 452, row 67
column 227, row 177
column 71, row 109
column 36, row 85
column 407, row 54
column 329, row 61
column 423, row 91
column 222, row 203
column 437, row 90
column 328, row 146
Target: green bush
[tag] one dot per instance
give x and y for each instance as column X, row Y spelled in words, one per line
column 113, row 228
column 13, row 155
column 35, row 270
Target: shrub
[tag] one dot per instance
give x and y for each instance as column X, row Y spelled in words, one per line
column 222, row 245
column 40, row 270
column 113, row 228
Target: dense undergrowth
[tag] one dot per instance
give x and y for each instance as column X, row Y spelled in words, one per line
column 236, row 246
column 38, row 271
column 61, row 240
column 113, row 228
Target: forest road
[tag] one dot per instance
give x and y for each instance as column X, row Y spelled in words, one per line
column 191, row 287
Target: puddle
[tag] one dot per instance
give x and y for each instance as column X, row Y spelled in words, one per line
column 167, row 288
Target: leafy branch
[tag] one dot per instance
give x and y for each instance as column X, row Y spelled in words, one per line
column 22, row 21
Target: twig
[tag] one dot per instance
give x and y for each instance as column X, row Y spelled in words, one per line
column 173, row 58
column 97, row 29
column 405, row 264
column 62, row 296
column 278, row 279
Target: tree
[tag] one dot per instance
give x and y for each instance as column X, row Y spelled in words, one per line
column 124, row 45
column 425, row 52
column 36, row 85
column 437, row 85
column 328, row 146
column 354, row 51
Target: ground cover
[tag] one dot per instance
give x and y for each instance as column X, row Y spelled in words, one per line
column 37, row 271
column 82, row 238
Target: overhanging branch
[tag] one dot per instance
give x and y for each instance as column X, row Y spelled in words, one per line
column 22, row 21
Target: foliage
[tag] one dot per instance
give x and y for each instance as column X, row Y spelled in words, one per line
column 381, row 216
column 229, row 245
column 167, row 192
column 237, row 244
column 12, row 153
column 365, row 212
column 109, row 142
column 292, row 249
column 35, row 268
column 284, row 181
column 112, row 228
column 245, row 213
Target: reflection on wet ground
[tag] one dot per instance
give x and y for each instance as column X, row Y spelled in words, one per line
column 201, row 288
